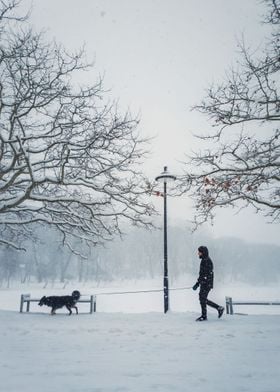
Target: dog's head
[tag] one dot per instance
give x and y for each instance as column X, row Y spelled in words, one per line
column 42, row 301
column 76, row 295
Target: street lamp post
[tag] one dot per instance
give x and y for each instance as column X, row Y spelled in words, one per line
column 165, row 177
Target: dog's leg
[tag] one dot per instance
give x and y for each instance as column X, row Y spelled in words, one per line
column 53, row 311
column 76, row 309
column 69, row 308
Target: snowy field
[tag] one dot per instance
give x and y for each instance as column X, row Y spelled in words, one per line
column 130, row 345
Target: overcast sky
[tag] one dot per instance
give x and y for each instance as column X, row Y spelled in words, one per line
column 158, row 57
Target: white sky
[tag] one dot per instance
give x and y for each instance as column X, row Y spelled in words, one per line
column 158, row 57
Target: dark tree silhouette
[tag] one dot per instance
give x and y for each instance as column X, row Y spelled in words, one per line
column 239, row 163
column 67, row 159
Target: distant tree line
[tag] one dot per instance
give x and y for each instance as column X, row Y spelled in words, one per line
column 139, row 255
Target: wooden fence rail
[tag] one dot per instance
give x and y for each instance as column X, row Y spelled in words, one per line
column 230, row 303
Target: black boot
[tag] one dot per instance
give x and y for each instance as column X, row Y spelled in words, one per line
column 220, row 311
column 201, row 318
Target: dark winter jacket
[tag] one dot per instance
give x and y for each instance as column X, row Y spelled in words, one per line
column 206, row 273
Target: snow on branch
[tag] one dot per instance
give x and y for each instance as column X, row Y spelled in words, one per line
column 68, row 158
column 239, row 162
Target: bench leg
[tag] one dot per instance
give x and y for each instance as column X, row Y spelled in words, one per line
column 92, row 304
column 229, row 305
column 21, row 303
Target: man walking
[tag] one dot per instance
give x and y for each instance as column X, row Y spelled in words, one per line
column 205, row 281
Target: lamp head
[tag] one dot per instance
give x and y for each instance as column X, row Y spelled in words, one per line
column 165, row 176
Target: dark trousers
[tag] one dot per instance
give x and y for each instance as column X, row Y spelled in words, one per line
column 203, row 294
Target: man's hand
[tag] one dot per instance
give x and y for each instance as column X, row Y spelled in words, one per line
column 195, row 287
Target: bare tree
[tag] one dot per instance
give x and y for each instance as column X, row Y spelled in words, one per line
column 66, row 158
column 240, row 161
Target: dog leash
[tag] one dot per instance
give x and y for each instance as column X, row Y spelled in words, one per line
column 141, row 291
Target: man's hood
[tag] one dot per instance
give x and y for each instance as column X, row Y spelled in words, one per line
column 204, row 251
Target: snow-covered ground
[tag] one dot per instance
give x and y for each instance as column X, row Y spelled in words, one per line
column 130, row 345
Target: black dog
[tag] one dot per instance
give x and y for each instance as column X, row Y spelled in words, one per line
column 57, row 302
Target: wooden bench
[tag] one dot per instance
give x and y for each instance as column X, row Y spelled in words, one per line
column 230, row 303
column 26, row 298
